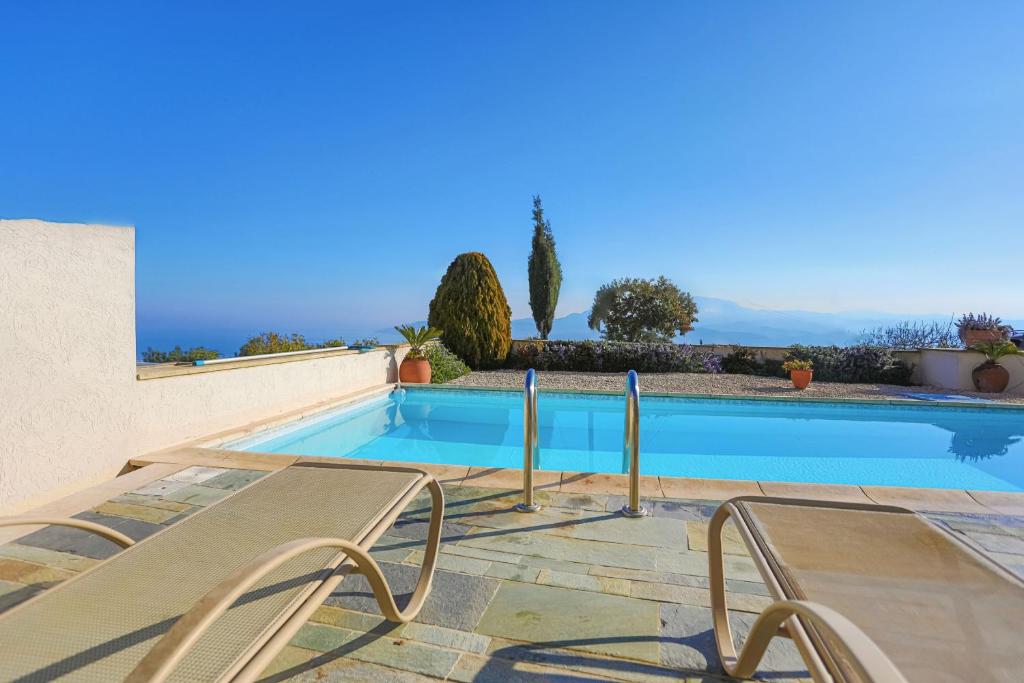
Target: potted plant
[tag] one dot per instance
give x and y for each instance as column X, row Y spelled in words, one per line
column 800, row 372
column 415, row 368
column 990, row 377
column 981, row 328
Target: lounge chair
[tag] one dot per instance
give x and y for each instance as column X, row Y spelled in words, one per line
column 870, row 593
column 217, row 595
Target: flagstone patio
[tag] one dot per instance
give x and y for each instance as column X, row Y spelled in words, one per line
column 573, row 592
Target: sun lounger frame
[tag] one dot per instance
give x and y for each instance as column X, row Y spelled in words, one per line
column 790, row 618
column 353, row 556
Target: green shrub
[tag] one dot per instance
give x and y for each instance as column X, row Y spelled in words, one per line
column 177, row 355
column 444, row 365
column 853, row 364
column 771, row 367
column 471, row 308
column 274, row 342
column 599, row 356
column 742, row 361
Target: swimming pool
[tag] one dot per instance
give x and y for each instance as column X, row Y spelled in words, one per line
column 879, row 444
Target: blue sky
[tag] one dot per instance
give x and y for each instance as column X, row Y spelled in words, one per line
column 316, row 166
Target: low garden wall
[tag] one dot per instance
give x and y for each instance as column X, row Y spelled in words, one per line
column 946, row 368
column 74, row 407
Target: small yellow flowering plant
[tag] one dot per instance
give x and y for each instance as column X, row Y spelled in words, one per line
column 796, row 364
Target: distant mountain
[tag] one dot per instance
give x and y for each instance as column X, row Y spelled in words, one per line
column 725, row 322
column 721, row 322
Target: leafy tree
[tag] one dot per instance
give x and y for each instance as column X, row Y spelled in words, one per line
column 639, row 310
column 177, row 355
column 545, row 272
column 471, row 308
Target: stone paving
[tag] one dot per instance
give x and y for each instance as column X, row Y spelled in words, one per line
column 573, row 592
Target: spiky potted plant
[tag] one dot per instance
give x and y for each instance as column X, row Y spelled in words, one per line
column 981, row 328
column 415, row 368
column 800, row 372
column 990, row 377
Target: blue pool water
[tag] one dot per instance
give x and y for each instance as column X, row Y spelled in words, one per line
column 821, row 442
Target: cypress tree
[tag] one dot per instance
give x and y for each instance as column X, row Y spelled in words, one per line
column 471, row 310
column 545, row 272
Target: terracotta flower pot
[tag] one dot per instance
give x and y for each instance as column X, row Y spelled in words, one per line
column 990, row 378
column 414, row 371
column 971, row 337
column 801, row 378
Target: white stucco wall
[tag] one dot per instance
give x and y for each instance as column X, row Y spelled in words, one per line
column 952, row 369
column 72, row 411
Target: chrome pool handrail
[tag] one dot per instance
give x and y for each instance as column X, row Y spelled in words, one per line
column 631, row 446
column 531, row 444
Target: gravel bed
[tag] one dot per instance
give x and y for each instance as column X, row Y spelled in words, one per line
column 694, row 383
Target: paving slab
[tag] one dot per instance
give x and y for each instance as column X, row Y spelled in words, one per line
column 833, row 492
column 478, row 669
column 708, row 489
column 20, row 571
column 696, row 511
column 494, row 477
column 157, row 502
column 331, row 669
column 1003, row 503
column 12, row 593
column 446, row 474
column 558, row 617
column 452, row 563
column 377, row 647
column 196, row 475
column 45, row 556
column 596, row 483
column 638, row 531
column 558, row 548
column 133, row 511
column 87, row 544
column 732, row 543
column 513, row 572
column 952, row 500
column 688, row 642
column 590, row 665
column 160, row 488
column 583, row 582
column 455, row 601
column 197, row 494
column 234, row 479
column 999, row 543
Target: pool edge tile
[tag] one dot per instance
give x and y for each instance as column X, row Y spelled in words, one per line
column 937, row 500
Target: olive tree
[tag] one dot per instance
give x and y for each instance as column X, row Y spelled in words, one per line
column 639, row 310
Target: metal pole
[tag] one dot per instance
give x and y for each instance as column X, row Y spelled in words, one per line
column 631, row 446
column 531, row 445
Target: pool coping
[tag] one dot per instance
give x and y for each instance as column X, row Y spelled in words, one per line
column 652, row 487
column 733, row 397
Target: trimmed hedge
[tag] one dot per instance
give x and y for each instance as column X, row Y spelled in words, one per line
column 601, row 356
column 472, row 313
column 854, row 364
